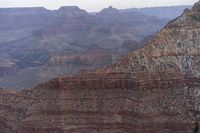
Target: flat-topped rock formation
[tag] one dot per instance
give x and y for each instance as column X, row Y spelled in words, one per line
column 30, row 36
column 109, row 11
column 155, row 89
column 70, row 11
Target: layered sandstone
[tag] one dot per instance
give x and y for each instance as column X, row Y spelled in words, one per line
column 109, row 101
column 30, row 36
column 155, row 89
column 94, row 56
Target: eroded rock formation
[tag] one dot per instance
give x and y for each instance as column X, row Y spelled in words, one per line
column 7, row 67
column 95, row 56
column 30, row 36
column 155, row 89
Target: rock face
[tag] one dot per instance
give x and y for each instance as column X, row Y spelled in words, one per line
column 61, row 64
column 170, row 12
column 7, row 67
column 106, row 101
column 13, row 107
column 71, row 11
column 109, row 11
column 30, row 36
column 155, row 89
column 174, row 52
column 13, row 18
column 95, row 56
column 108, row 105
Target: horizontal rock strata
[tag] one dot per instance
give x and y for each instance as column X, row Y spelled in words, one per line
column 153, row 90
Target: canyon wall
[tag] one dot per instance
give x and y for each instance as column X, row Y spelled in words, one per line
column 155, row 89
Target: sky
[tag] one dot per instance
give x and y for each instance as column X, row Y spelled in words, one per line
column 93, row 5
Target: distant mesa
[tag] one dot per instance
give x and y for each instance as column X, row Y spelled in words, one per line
column 69, row 8
column 71, row 11
column 154, row 89
column 109, row 11
column 45, row 44
column 23, row 11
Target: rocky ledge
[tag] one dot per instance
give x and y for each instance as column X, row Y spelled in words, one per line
column 155, row 89
column 106, row 101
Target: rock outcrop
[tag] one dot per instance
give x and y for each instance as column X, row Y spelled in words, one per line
column 70, row 11
column 94, row 56
column 106, row 101
column 13, row 108
column 7, row 67
column 155, row 89
column 170, row 12
column 174, row 52
column 30, row 36
column 109, row 11
column 24, row 18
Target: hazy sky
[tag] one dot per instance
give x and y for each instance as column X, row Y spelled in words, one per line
column 93, row 5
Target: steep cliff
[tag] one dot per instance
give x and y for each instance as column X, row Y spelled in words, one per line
column 155, row 89
column 109, row 102
column 30, row 36
column 173, row 52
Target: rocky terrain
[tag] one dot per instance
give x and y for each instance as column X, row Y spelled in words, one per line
column 170, row 12
column 155, row 89
column 30, row 37
column 62, row 64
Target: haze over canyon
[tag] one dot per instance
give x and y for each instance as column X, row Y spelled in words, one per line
column 114, row 71
column 37, row 44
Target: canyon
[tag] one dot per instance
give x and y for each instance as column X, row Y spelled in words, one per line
column 153, row 89
column 36, row 39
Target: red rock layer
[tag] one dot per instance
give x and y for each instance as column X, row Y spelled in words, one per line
column 105, row 101
column 110, row 104
column 154, row 90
